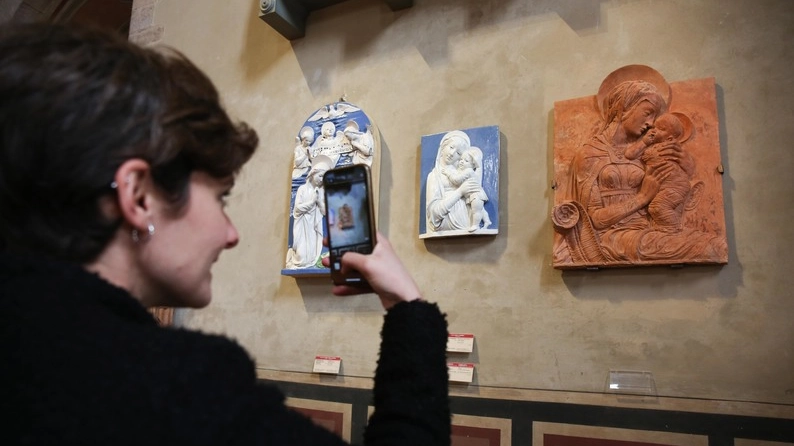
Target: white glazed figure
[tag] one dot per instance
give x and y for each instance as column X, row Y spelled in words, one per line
column 445, row 207
column 331, row 143
column 307, row 214
column 302, row 159
column 470, row 167
column 363, row 143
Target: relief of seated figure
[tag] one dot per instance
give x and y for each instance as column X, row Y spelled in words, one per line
column 624, row 199
column 345, row 221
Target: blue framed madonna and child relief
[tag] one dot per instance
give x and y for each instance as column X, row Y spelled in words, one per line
column 335, row 135
column 459, row 195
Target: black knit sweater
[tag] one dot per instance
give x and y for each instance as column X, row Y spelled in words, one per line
column 82, row 362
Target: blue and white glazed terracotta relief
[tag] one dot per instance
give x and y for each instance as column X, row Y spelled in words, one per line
column 460, row 190
column 336, row 135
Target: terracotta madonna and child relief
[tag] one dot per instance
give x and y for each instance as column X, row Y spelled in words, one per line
column 638, row 174
column 460, row 195
column 336, row 135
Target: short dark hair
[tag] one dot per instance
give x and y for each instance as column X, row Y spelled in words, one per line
column 77, row 102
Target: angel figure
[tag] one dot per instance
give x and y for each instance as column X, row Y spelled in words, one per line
column 362, row 142
column 331, row 143
column 302, row 159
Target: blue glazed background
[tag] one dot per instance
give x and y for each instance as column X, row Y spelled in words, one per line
column 487, row 139
column 339, row 122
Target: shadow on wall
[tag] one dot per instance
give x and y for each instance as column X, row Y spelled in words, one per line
column 352, row 40
column 731, row 276
column 385, row 33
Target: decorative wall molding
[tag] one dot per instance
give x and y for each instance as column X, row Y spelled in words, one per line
column 596, row 415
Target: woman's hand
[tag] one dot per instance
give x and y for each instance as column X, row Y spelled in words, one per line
column 383, row 271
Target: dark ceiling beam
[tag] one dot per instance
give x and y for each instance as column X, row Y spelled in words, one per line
column 397, row 5
column 288, row 17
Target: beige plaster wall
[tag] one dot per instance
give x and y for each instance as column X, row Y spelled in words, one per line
column 704, row 332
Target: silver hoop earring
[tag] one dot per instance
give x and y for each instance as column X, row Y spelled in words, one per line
column 136, row 237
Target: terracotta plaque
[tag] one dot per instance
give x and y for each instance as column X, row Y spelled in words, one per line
column 638, row 175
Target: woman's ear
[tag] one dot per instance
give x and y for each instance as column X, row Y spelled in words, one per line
column 135, row 192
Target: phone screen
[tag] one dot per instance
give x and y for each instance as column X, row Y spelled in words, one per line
column 349, row 217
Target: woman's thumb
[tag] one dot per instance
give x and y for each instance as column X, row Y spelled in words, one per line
column 352, row 260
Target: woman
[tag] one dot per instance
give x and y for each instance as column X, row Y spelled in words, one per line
column 307, row 217
column 445, row 207
column 114, row 165
column 612, row 189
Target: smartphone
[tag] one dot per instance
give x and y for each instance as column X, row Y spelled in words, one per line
column 350, row 218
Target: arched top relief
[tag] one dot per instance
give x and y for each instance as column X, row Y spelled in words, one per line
column 288, row 17
column 335, row 135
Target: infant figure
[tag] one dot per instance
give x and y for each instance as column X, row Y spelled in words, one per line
column 667, row 207
column 470, row 167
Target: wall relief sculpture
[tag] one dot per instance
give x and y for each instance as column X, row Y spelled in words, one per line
column 460, row 194
column 335, row 135
column 637, row 174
